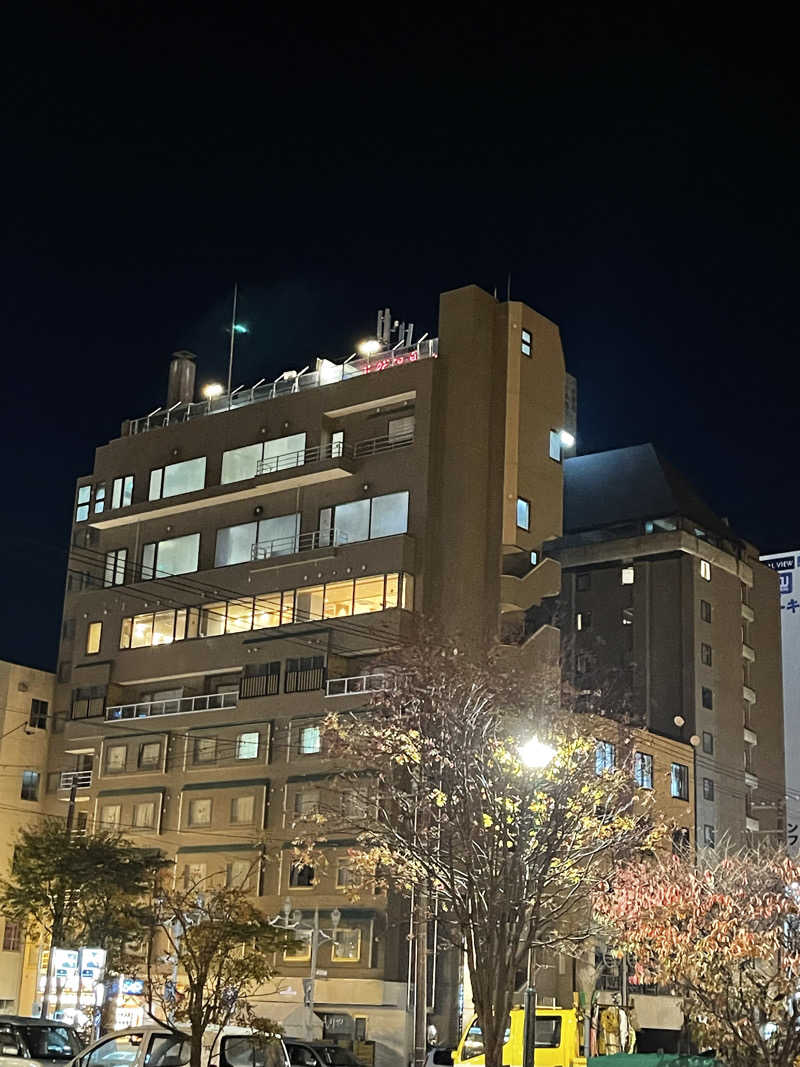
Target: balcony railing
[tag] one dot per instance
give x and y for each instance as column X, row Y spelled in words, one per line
column 307, row 542
column 179, row 706
column 312, row 454
column 357, row 683
column 387, row 443
column 290, row 382
column 82, row 779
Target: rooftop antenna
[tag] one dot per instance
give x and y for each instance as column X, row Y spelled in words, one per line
column 508, row 287
column 233, row 335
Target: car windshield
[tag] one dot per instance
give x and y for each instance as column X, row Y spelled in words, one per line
column 338, row 1057
column 50, row 1042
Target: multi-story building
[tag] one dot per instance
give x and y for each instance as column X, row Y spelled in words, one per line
column 26, row 702
column 669, row 619
column 236, row 562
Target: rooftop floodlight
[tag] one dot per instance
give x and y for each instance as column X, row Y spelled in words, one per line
column 369, row 348
column 240, row 328
column 213, row 389
column 536, row 754
column 567, row 438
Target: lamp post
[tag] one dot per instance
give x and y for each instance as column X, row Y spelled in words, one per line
column 535, row 755
column 293, row 920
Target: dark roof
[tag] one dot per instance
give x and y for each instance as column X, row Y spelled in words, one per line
column 630, row 484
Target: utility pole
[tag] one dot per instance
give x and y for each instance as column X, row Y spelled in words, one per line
column 529, row 1029
column 421, row 979
column 73, row 792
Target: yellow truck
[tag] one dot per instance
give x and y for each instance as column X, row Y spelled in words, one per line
column 557, row 1040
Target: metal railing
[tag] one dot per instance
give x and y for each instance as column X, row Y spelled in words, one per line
column 387, row 443
column 357, row 683
column 179, row 706
column 82, row 779
column 312, row 454
column 290, row 382
column 307, row 542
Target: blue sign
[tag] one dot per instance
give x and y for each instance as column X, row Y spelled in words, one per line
column 781, row 563
column 785, row 583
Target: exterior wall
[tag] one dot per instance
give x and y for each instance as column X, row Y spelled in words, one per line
column 22, row 747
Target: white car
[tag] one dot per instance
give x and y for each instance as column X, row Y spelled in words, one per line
column 39, row 1042
column 155, row 1046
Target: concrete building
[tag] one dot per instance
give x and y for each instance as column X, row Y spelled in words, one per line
column 26, row 703
column 787, row 567
column 670, row 620
column 236, row 561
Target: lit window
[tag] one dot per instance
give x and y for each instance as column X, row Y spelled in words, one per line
column 205, row 749
column 116, row 757
column 277, row 536
column 346, row 947
column 143, row 814
column 709, row 836
column 114, row 573
column 82, row 505
column 679, row 781
column 176, row 555
column 301, row 876
column 99, row 497
column 300, row 951
column 627, row 616
column 583, row 620
column 643, row 770
column 185, row 477
column 707, row 697
column 705, row 570
column 122, row 492
column 526, row 343
column 708, row 789
column 705, row 654
column 247, row 745
column 708, row 743
column 110, row 817
column 523, row 513
column 38, row 716
column 605, row 757
column 627, row 575
column 93, row 636
column 30, row 785
column 200, row 811
column 310, row 740
column 150, row 754
column 265, row 457
column 243, row 809
column 555, row 445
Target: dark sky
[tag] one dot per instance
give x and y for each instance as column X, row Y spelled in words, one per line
column 637, row 175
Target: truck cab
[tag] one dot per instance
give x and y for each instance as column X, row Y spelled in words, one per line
column 557, row 1040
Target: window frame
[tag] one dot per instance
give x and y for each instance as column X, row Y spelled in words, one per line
column 158, row 475
column 39, row 713
column 359, row 940
column 191, row 820
column 554, row 447
column 679, row 781
column 627, row 575
column 708, row 742
column 583, row 621
column 643, row 769
column 605, row 756
column 150, row 764
column 527, row 513
column 707, row 697
column 526, row 342
column 583, row 582
column 236, row 800
column 246, row 738
column 705, row 611
column 94, row 637
column 30, row 783
column 709, row 791
column 309, row 727
column 706, row 654
column 709, row 835
column 705, row 570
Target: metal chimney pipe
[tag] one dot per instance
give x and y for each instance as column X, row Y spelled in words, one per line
column 182, row 369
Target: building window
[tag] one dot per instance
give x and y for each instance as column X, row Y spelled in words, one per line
column 705, row 611
column 247, row 745
column 306, row 803
column 708, row 789
column 555, row 445
column 300, row 951
column 110, row 817
column 347, row 947
column 149, row 755
column 679, row 781
column 583, row 620
column 627, row 616
column 38, row 716
column 116, row 758
column 185, row 477
column 364, row 519
column 309, row 740
column 526, row 343
column 605, row 757
column 705, row 654
column 680, row 841
column 345, row 875
column 122, row 492
column 707, row 697
column 93, row 637
column 144, row 815
column 583, row 582
column 30, row 785
column 301, row 876
column 260, row 680
column 205, row 749
column 88, row 703
column 400, row 430
column 243, row 809
column 523, row 513
column 306, row 673
column 82, row 503
column 627, row 575
column 265, row 457
column 278, row 536
column 114, row 573
column 709, row 836
column 176, row 555
column 643, row 770
column 705, row 570
column 194, row 874
column 708, row 743
column 99, row 497
column 12, row 937
column 237, row 874
column 200, row 812
column 584, row 663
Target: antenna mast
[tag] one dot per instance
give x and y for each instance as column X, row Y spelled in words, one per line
column 233, row 339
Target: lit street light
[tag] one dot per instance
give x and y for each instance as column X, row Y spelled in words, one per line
column 212, row 390
column 536, row 754
column 369, row 348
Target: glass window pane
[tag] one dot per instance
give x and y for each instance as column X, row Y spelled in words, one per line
column 116, row 493
column 163, row 627
column 125, row 633
column 184, row 477
column 247, row 746
column 143, row 814
column 523, row 514
column 278, row 536
column 84, row 492
column 347, row 946
column 108, row 574
column 148, row 561
column 200, row 812
column 308, row 606
column 284, row 452
column 325, row 524
column 235, row 544
column 407, row 601
column 205, row 750
column 93, row 638
column 119, row 573
column 555, row 446
column 287, row 607
column 241, row 463
column 369, row 595
column 267, row 611
column 156, row 479
column 401, row 428
column 212, row 620
column 142, row 631
column 392, row 585
column 180, row 624
column 338, row 599
column 240, row 615
column 310, row 740
column 351, row 521
column 82, row 513
column 178, row 555
column 389, row 515
column 127, row 490
column 243, row 809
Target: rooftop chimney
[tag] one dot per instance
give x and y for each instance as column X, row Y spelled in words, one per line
column 180, row 389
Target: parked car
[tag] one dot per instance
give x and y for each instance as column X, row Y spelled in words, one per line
column 155, row 1046
column 36, row 1041
column 318, row 1054
column 440, row 1056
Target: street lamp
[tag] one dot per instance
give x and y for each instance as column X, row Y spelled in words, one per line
column 369, row 348
column 293, row 920
column 535, row 755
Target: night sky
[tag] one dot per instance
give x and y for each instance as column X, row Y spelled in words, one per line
column 638, row 177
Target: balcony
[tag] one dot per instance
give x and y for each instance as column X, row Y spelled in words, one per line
column 749, row 694
column 290, row 382
column 179, row 706
column 388, row 443
column 289, row 546
column 81, row 780
column 750, row 736
column 313, row 454
column 355, row 684
column 748, row 652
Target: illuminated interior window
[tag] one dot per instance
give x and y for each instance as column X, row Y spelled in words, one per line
column 309, row 740
column 523, row 513
column 93, row 637
column 526, row 343
column 627, row 575
column 82, row 505
column 705, row 570
column 346, row 948
column 338, row 599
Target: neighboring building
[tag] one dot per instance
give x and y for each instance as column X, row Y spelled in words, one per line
column 236, row 562
column 787, row 567
column 26, row 702
column 670, row 620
